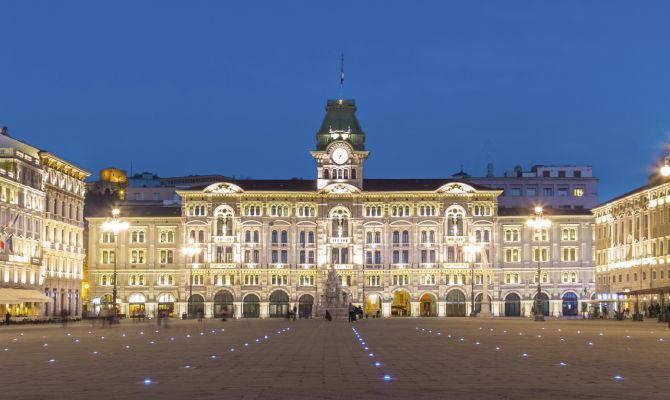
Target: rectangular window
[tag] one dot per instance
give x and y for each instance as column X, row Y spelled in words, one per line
column 547, row 192
column 563, row 192
column 561, row 174
column 568, row 254
column 541, row 253
column 157, row 196
column 515, row 192
column 512, row 255
column 531, row 191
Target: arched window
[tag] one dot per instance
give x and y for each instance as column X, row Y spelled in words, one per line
column 201, row 236
column 224, row 222
column 353, row 173
column 274, row 237
column 284, row 237
column 455, row 222
column 256, row 236
column 396, row 237
column 405, row 237
column 368, row 237
column 310, row 237
column 378, row 237
column 340, row 222
column 326, row 174
column 247, row 236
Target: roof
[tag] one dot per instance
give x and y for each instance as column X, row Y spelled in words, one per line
column 549, row 211
column 100, row 206
column 640, row 189
column 369, row 185
column 340, row 117
column 7, row 141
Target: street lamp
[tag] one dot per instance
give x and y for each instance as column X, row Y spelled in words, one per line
column 471, row 249
column 538, row 222
column 191, row 250
column 115, row 225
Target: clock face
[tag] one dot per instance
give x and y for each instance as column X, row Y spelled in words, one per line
column 340, row 155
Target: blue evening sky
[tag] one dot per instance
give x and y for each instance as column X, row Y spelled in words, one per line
column 238, row 88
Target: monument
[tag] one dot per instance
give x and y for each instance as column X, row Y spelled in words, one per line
column 333, row 299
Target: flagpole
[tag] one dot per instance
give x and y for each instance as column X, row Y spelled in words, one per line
column 341, row 76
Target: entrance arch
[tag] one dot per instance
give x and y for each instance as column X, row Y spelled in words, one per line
column 570, row 305
column 428, row 305
column 278, row 304
column 512, row 305
column 478, row 303
column 305, row 304
column 166, row 304
column 544, row 299
column 400, row 305
column 196, row 304
column 251, row 306
column 373, row 305
column 223, row 304
column 455, row 303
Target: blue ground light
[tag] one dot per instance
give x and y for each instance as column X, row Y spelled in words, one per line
column 618, row 378
column 147, row 381
column 387, row 378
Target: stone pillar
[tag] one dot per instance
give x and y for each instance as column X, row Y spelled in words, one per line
column 238, row 309
column 386, row 309
column 414, row 307
column 209, row 309
column 265, row 309
column 441, row 308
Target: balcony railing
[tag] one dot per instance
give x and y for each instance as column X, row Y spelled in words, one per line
column 344, row 266
column 223, row 265
column 224, row 239
column 340, row 240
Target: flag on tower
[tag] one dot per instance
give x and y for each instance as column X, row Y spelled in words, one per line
column 342, row 70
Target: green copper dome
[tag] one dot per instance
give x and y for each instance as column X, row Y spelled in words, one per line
column 340, row 123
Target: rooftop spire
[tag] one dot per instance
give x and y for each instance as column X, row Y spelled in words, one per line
column 341, row 76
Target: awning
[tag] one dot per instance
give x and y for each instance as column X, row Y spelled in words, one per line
column 18, row 296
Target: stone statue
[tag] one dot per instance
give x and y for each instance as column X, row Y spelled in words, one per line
column 334, row 298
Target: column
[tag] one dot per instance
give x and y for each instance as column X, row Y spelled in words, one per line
column 441, row 308
column 414, row 306
column 264, row 309
column 238, row 309
column 386, row 309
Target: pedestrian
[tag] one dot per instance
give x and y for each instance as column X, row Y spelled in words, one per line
column 200, row 315
column 63, row 317
column 159, row 317
column 8, row 318
column 351, row 312
column 166, row 318
column 328, row 316
column 295, row 311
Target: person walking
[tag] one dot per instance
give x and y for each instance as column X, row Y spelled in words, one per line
column 295, row 311
column 8, row 318
column 63, row 317
column 351, row 312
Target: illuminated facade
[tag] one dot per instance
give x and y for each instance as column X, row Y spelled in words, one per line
column 63, row 235
column 266, row 246
column 31, row 261
column 633, row 247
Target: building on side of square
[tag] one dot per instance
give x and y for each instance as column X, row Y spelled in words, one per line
column 397, row 245
column 63, row 235
column 36, row 272
column 633, row 248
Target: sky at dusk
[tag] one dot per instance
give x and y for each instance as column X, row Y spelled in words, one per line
column 239, row 88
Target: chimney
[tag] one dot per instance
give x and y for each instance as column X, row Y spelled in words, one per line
column 4, row 131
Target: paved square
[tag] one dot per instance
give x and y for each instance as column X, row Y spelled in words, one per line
column 421, row 358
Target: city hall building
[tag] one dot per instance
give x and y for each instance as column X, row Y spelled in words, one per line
column 259, row 248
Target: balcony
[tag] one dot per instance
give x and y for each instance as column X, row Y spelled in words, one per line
column 223, row 239
column 340, row 240
column 374, row 266
column 223, row 265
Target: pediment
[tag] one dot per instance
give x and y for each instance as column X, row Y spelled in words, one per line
column 223, row 188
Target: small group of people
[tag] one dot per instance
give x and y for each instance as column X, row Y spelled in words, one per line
column 355, row 312
column 107, row 316
column 138, row 315
column 162, row 318
column 292, row 313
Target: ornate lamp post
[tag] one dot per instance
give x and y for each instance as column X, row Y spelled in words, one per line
column 538, row 222
column 471, row 249
column 115, row 225
column 191, row 250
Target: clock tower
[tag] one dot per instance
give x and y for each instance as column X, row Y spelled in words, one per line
column 340, row 146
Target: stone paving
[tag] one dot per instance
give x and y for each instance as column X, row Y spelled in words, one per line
column 445, row 358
